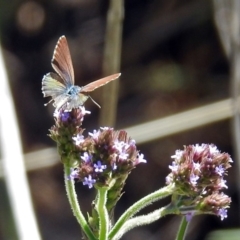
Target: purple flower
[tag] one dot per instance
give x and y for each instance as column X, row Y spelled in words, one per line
column 197, row 166
column 114, row 166
column 65, row 116
column 213, row 149
column 216, row 203
column 193, row 179
column 178, row 154
column 189, row 216
column 118, row 145
column 89, row 181
column 99, row 167
column 84, row 111
column 132, row 142
column 174, row 167
column 222, row 184
column 220, row 170
column 86, row 157
column 168, row 179
column 203, row 162
column 140, row 158
column 222, row 213
column 73, row 174
column 199, row 148
column 123, row 155
column 121, row 148
column 62, row 115
column 105, row 128
column 95, row 134
column 78, row 139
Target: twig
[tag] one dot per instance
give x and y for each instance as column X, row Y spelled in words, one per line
column 111, row 62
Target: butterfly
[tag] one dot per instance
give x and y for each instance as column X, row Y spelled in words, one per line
column 60, row 85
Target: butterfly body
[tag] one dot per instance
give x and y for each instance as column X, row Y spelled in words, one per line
column 61, row 86
column 73, row 90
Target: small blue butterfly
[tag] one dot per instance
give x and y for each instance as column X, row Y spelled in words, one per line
column 61, row 86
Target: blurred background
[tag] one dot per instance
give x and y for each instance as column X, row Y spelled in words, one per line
column 172, row 61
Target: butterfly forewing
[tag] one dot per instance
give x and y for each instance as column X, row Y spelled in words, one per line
column 62, row 62
column 96, row 84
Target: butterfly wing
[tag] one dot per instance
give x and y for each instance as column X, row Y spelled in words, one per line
column 74, row 102
column 52, row 87
column 96, row 84
column 62, row 62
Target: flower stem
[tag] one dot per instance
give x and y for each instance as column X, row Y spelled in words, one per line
column 144, row 220
column 153, row 197
column 103, row 213
column 72, row 198
column 182, row 229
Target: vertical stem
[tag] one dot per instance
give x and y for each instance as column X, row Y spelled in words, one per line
column 72, row 198
column 182, row 229
column 103, row 213
column 235, row 83
column 111, row 61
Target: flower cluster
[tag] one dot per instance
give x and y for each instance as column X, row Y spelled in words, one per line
column 105, row 155
column 102, row 159
column 67, row 125
column 198, row 174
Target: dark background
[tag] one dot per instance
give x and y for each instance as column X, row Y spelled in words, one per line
column 172, row 60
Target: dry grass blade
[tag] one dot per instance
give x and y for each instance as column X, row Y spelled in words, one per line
column 111, row 62
column 13, row 164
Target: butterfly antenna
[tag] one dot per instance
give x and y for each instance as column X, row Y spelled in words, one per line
column 94, row 102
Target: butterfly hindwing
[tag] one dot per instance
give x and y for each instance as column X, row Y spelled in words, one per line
column 52, row 85
column 75, row 102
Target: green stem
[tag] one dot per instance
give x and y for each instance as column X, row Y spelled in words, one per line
column 153, row 197
column 144, row 220
column 72, row 198
column 182, row 229
column 103, row 213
